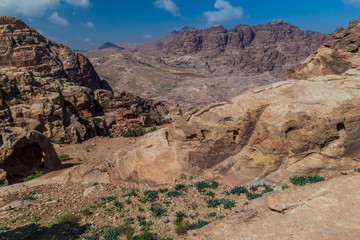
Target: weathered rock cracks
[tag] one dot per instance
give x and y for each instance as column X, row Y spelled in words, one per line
column 266, row 134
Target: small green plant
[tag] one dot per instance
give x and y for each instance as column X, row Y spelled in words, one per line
column 199, row 224
column 303, row 180
column 33, row 176
column 211, row 214
column 284, row 186
column 180, row 187
column 4, row 228
column 163, row 190
column 220, row 217
column 95, row 183
column 202, row 185
column 128, row 201
column 141, row 220
column 182, row 228
column 251, row 195
column 145, row 235
column 179, row 217
column 134, row 132
column 133, row 193
column 68, row 219
column 111, row 233
column 357, row 169
column 166, row 220
column 228, row 204
column 193, row 206
column 125, row 229
column 151, row 195
column 129, row 221
column 119, row 206
column 157, row 210
column 140, row 209
column 226, row 193
column 173, row 193
column 210, row 193
column 254, row 188
column 108, row 199
column 211, row 203
column 86, row 212
column 238, row 190
column 153, row 129
column 343, row 173
column 35, row 218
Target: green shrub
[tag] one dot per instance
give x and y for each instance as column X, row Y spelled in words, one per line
column 125, row 229
column 357, row 169
column 228, row 204
column 210, row 193
column 134, row 132
column 108, row 199
column 254, row 188
column 212, row 214
column 128, row 201
column 35, row 218
column 151, row 195
column 68, row 219
column 133, row 193
column 179, row 217
column 220, row 217
column 173, row 193
column 64, row 157
column 118, row 205
column 202, row 185
column 129, row 221
column 284, row 186
column 267, row 188
column 182, row 228
column 141, row 220
column 303, row 180
column 111, row 233
column 343, row 173
column 193, row 206
column 157, row 210
column 251, row 195
column 33, row 176
column 238, row 190
column 180, row 187
column 163, row 190
column 146, row 235
column 199, row 224
column 213, row 203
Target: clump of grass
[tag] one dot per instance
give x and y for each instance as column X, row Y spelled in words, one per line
column 182, row 228
column 111, row 233
column 238, row 190
column 157, row 210
column 33, row 176
column 129, row 221
column 303, row 180
column 35, row 218
column 68, row 219
column 179, row 217
column 145, row 235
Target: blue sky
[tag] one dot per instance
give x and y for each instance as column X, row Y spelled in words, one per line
column 86, row 24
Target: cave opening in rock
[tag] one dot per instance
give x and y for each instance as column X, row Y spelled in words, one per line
column 23, row 162
column 340, row 126
column 1, row 140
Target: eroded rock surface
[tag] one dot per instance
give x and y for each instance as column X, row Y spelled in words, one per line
column 339, row 54
column 326, row 210
column 24, row 152
column 267, row 134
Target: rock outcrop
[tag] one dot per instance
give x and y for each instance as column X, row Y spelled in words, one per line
column 339, row 54
column 326, row 210
column 274, row 46
column 267, row 134
column 24, row 152
column 46, row 87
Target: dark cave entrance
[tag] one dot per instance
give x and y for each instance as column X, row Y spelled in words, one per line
column 23, row 162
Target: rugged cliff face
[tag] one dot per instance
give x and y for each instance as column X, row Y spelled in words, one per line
column 339, row 54
column 46, row 87
column 258, row 48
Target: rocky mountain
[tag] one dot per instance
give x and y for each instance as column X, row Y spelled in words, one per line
column 258, row 48
column 337, row 55
column 196, row 67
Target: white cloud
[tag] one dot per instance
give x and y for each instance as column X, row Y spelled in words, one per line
column 88, row 25
column 79, row 3
column 86, row 40
column 351, row 2
column 147, row 36
column 226, row 12
column 55, row 18
column 29, row 8
column 168, row 5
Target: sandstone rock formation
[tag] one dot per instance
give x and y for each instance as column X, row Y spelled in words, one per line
column 339, row 54
column 260, row 48
column 326, row 210
column 24, row 152
column 267, row 134
column 46, row 87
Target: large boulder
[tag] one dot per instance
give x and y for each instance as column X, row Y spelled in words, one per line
column 24, row 152
column 267, row 134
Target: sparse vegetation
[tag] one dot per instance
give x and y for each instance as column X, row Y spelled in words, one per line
column 238, row 190
column 303, row 180
column 182, row 228
column 284, row 186
column 64, row 157
column 198, row 224
column 157, row 210
column 68, row 219
column 134, row 132
column 33, row 176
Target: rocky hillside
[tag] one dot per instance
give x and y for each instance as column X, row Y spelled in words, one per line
column 267, row 134
column 339, row 54
column 261, row 48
